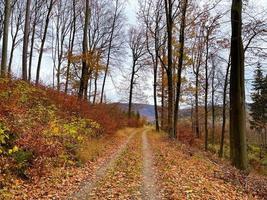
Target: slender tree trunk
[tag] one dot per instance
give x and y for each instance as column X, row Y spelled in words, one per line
column 54, row 52
column 224, row 107
column 5, row 39
column 71, row 45
column 213, row 103
column 196, row 70
column 90, row 90
column 13, row 46
column 85, row 94
column 131, row 91
column 192, row 117
column 238, row 147
column 162, row 99
column 26, row 41
column 169, row 18
column 95, row 82
column 60, row 57
column 206, row 92
column 32, row 48
column 85, row 75
column 155, row 60
column 180, row 65
column 43, row 42
column 109, row 51
column 57, row 54
column 196, row 104
column 14, row 36
column 155, row 89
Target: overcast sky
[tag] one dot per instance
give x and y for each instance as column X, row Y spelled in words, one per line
column 113, row 85
column 132, row 7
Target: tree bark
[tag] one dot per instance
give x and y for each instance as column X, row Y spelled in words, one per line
column 26, row 41
column 224, row 107
column 213, row 103
column 196, row 104
column 85, row 75
column 32, row 45
column 180, row 65
column 206, row 91
column 95, row 83
column 43, row 42
column 5, row 39
column 162, row 98
column 13, row 44
column 109, row 51
column 71, row 45
column 131, row 90
column 155, row 87
column 238, row 147
column 169, row 21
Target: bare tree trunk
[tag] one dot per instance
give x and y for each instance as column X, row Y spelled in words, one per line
column 196, row 104
column 13, row 46
column 5, row 39
column 95, row 82
column 169, row 18
column 213, row 103
column 85, row 94
column 109, row 51
column 71, row 45
column 206, row 92
column 32, row 47
column 60, row 57
column 85, row 75
column 162, row 99
column 26, row 40
column 57, row 54
column 43, row 42
column 192, row 117
column 238, row 147
column 155, row 88
column 90, row 90
column 131, row 91
column 155, row 60
column 224, row 107
column 180, row 65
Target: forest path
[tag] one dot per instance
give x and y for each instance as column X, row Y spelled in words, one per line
column 150, row 189
column 149, row 166
column 87, row 187
column 128, row 175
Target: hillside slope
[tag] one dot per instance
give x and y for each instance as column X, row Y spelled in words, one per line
column 41, row 130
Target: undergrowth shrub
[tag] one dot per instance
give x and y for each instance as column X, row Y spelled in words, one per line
column 40, row 126
column 6, row 141
column 184, row 132
column 23, row 159
column 90, row 150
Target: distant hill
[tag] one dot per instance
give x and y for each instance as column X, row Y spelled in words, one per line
column 145, row 110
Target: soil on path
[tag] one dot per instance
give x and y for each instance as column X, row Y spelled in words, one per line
column 87, row 187
column 150, row 190
column 149, row 166
column 129, row 175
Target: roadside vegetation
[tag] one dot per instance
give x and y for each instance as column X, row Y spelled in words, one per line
column 42, row 130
